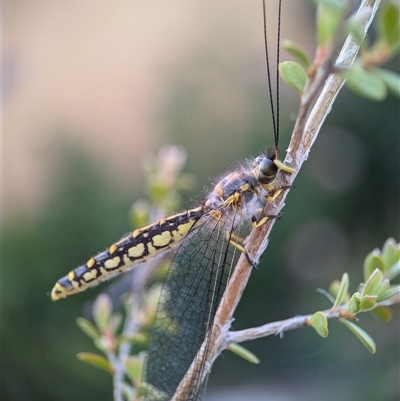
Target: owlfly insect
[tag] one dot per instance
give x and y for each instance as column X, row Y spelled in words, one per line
column 204, row 240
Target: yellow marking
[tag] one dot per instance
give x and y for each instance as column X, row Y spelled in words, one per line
column 126, row 260
column 162, row 239
column 90, row 275
column 71, row 275
column 75, row 284
column 112, row 249
column 91, row 262
column 151, row 249
column 244, row 188
column 183, row 229
column 112, row 263
column 136, row 233
column 136, row 251
column 57, row 292
column 162, row 221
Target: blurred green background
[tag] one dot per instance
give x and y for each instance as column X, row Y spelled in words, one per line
column 89, row 88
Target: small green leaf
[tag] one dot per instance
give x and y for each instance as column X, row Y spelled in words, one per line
column 354, row 305
column 134, row 367
column 372, row 261
column 297, row 52
column 95, row 360
column 319, row 323
column 389, row 293
column 294, row 75
column 382, row 288
column 382, row 313
column 365, row 83
column 329, row 14
column 374, row 281
column 394, row 271
column 389, row 250
column 139, row 213
column 389, row 25
column 102, row 309
column 334, row 287
column 138, row 338
column 88, row 328
column 363, row 336
column 367, row 303
column 115, row 322
column 243, row 353
column 342, row 291
column 390, row 78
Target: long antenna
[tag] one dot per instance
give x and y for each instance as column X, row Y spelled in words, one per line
column 275, row 117
column 277, row 76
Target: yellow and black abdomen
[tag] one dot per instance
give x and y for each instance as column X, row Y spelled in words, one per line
column 134, row 248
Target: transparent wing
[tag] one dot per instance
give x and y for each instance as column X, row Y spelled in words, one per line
column 189, row 300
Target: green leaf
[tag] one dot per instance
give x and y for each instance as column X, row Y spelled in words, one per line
column 354, row 305
column 88, row 328
column 365, row 83
column 389, row 251
column 329, row 14
column 382, row 313
column 334, row 287
column 374, row 281
column 294, row 75
column 342, row 291
column 138, row 338
column 102, row 310
column 367, row 303
column 390, row 78
column 372, row 261
column 297, row 52
column 389, row 25
column 243, row 353
column 389, row 293
column 319, row 323
column 134, row 367
column 382, row 288
column 363, row 336
column 95, row 360
column 115, row 322
column 394, row 271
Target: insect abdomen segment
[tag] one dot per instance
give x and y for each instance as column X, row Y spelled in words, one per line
column 136, row 247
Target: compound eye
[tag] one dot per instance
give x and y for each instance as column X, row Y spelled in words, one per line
column 267, row 171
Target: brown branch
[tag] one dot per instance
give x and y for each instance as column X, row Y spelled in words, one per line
column 278, row 328
column 307, row 126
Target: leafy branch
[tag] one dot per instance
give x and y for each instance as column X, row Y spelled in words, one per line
column 318, row 86
column 320, row 90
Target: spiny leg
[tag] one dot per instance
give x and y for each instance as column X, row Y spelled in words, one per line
column 235, row 241
column 275, row 193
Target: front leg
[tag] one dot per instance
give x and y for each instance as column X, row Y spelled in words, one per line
column 256, row 221
column 274, row 193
